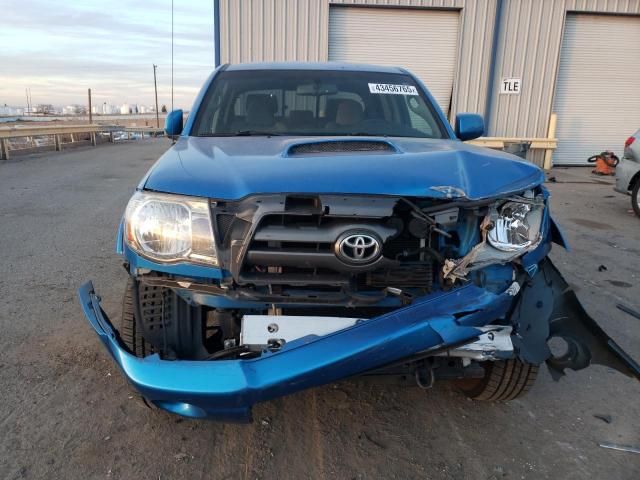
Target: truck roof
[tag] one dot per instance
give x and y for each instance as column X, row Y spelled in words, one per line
column 357, row 67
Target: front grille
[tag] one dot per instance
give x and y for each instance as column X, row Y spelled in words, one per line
column 408, row 275
column 309, row 242
column 341, row 146
column 285, row 246
column 298, row 250
column 224, row 223
column 402, row 247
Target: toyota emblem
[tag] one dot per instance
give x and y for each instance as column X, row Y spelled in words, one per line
column 360, row 248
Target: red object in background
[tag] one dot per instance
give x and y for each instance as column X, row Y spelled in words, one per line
column 605, row 163
column 629, row 141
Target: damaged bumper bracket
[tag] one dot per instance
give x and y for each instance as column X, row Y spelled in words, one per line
column 547, row 295
column 227, row 389
column 586, row 341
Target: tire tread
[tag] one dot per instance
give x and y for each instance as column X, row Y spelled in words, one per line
column 635, row 197
column 504, row 380
column 129, row 332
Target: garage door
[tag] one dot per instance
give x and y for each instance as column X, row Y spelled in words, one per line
column 597, row 95
column 423, row 41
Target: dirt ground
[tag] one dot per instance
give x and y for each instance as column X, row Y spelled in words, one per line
column 67, row 413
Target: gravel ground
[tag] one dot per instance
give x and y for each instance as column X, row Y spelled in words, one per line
column 66, row 412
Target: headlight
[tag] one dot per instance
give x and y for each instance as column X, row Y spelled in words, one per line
column 516, row 224
column 170, row 228
column 511, row 228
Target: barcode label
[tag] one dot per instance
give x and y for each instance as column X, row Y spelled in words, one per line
column 390, row 89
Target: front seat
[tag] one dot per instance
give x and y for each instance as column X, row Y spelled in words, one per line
column 301, row 120
column 348, row 113
column 261, row 109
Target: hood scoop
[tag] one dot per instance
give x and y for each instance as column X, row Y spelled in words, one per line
column 340, row 146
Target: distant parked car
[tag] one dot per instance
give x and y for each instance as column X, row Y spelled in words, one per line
column 628, row 171
column 41, row 141
column 119, row 136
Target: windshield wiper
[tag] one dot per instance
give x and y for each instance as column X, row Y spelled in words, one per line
column 366, row 134
column 241, row 133
column 249, row 133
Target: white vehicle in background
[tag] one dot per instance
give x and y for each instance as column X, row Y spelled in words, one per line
column 628, row 171
column 120, row 136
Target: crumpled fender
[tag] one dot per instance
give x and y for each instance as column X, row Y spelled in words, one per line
column 547, row 295
column 556, row 234
column 551, row 234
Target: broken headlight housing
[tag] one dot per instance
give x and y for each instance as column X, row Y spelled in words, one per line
column 516, row 227
column 170, row 228
column 512, row 227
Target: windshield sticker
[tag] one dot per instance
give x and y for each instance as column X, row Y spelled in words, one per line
column 390, row 89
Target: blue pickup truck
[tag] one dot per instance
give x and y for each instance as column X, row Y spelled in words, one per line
column 314, row 222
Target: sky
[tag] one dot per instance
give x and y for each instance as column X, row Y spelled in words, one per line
column 60, row 48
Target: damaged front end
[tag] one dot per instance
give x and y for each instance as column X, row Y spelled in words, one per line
column 310, row 289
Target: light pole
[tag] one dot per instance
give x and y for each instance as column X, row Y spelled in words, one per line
column 155, row 85
column 172, row 55
column 90, row 113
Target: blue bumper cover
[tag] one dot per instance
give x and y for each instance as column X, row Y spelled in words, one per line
column 227, row 389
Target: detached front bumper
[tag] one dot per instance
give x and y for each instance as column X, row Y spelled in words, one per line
column 227, row 389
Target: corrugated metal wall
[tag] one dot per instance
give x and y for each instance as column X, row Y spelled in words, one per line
column 405, row 3
column 579, row 86
column 474, row 51
column 423, row 41
column 476, row 43
column 256, row 30
column 529, row 42
column 529, row 48
column 273, row 30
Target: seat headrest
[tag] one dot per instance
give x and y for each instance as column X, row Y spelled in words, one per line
column 261, row 102
column 304, row 117
column 349, row 112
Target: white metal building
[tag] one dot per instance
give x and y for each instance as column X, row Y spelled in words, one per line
column 578, row 58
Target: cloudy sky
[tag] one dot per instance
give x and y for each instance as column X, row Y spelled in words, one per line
column 60, row 48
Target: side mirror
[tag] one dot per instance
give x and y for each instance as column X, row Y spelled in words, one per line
column 173, row 123
column 469, row 126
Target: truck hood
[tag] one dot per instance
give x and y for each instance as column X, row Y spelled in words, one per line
column 230, row 168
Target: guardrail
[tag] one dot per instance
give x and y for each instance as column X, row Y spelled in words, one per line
column 548, row 145
column 60, row 132
column 502, row 142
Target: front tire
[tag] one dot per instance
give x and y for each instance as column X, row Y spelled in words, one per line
column 129, row 331
column 504, row 380
column 635, row 197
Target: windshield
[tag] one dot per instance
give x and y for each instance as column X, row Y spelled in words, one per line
column 308, row 102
